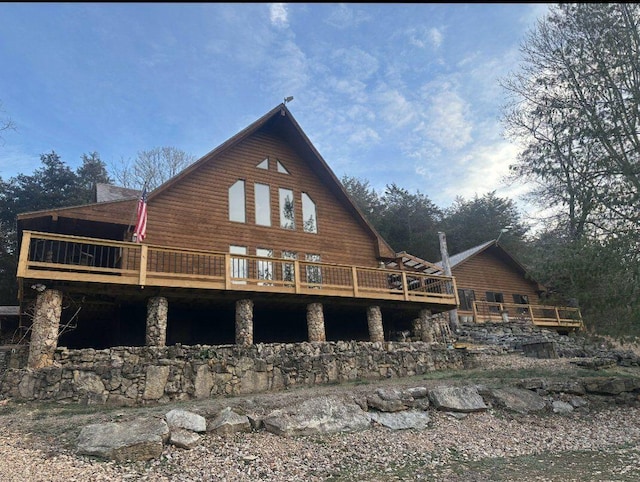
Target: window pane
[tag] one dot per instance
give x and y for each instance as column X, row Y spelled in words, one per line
column 288, row 269
column 264, row 164
column 264, row 267
column 466, row 299
column 239, row 267
column 309, row 224
column 287, row 214
column 263, row 205
column 281, row 168
column 314, row 273
column 236, row 202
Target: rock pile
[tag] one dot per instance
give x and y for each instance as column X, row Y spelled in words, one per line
column 393, row 408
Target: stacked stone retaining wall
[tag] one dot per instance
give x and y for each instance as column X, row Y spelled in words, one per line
column 139, row 375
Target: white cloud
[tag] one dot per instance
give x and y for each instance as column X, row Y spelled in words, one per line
column 289, row 69
column 344, row 17
column 278, row 15
column 396, row 110
column 447, row 114
column 426, row 37
column 356, row 62
column 436, row 37
column 483, row 171
column 364, row 137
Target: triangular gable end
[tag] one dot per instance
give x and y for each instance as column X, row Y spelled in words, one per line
column 297, row 138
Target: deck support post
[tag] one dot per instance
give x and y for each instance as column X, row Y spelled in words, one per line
column 44, row 332
column 315, row 322
column 157, row 311
column 374, row 320
column 425, row 327
column 244, row 322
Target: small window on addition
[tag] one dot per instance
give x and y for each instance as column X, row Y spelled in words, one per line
column 494, row 298
column 467, row 297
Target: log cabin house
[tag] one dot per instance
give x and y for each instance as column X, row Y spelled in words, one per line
column 257, row 241
column 494, row 286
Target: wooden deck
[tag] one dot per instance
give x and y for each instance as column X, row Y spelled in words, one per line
column 557, row 317
column 45, row 256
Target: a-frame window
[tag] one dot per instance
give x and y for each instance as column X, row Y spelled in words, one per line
column 281, row 168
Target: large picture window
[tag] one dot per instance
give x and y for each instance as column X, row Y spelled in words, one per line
column 287, row 211
column 263, row 205
column 237, row 211
column 309, row 216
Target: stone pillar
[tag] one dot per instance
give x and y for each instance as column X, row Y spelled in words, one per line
column 44, row 332
column 425, row 322
column 416, row 329
column 374, row 319
column 244, row 322
column 315, row 322
column 157, row 309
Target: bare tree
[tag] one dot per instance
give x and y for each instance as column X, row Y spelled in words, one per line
column 151, row 168
column 6, row 123
column 575, row 106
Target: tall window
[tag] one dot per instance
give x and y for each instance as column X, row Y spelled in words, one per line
column 264, row 267
column 263, row 205
column 287, row 213
column 239, row 266
column 314, row 273
column 309, row 216
column 236, row 202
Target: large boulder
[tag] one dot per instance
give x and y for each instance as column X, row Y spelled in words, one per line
column 409, row 419
column 187, row 420
column 141, row 439
column 517, row 400
column 229, row 421
column 185, row 439
column 457, row 399
column 318, row 415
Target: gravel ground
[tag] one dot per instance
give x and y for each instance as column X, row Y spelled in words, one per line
column 595, row 444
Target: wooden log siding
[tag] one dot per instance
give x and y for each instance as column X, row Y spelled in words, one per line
column 142, row 264
column 489, row 272
column 193, row 213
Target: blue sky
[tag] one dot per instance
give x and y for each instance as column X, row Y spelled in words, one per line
column 391, row 93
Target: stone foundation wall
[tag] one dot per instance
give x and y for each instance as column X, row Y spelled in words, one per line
column 139, row 375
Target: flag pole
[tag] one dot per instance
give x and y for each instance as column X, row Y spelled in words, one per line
column 135, row 212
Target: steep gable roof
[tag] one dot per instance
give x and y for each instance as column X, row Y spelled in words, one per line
column 460, row 258
column 109, row 192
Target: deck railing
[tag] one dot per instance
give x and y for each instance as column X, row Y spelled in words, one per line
column 79, row 259
column 541, row 315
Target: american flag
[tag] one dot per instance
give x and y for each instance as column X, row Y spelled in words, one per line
column 140, row 230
